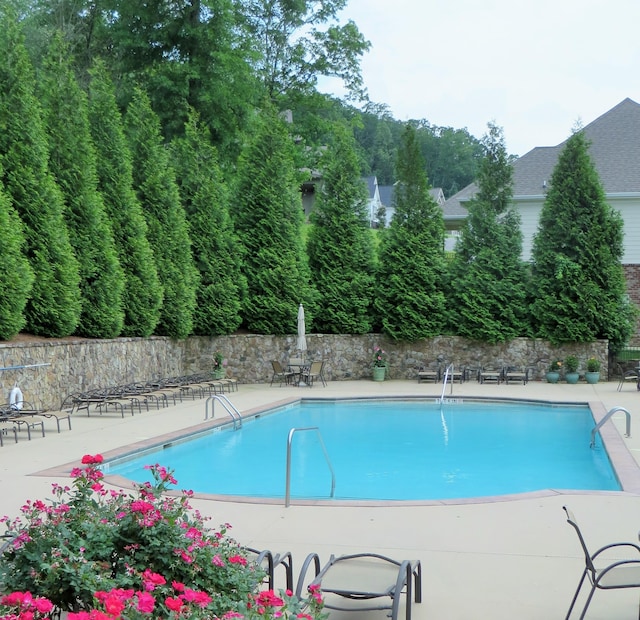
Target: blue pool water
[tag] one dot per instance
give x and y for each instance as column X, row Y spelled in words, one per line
column 392, row 450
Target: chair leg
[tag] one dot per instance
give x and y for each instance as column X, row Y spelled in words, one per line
column 575, row 596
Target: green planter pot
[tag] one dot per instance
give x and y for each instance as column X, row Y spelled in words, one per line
column 379, row 372
column 572, row 377
column 553, row 377
column 219, row 374
column 592, row 377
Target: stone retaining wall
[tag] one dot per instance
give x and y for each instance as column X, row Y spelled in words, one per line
column 49, row 370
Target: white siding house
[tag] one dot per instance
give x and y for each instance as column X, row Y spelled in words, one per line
column 614, row 148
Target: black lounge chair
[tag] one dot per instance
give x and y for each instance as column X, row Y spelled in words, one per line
column 516, row 375
column 353, row 582
column 430, row 373
column 269, row 562
column 613, row 573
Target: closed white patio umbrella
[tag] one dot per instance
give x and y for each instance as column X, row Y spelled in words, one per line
column 302, row 340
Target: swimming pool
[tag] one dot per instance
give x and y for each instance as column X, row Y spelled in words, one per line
column 392, row 450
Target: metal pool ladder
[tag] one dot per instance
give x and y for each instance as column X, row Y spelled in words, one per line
column 609, row 414
column 444, row 381
column 292, row 432
column 228, row 406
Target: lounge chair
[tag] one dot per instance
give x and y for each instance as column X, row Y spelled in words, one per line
column 22, row 418
column 490, row 373
column 626, row 376
column 313, row 372
column 280, row 374
column 433, row 372
column 516, row 375
column 353, row 582
column 268, row 562
column 612, row 574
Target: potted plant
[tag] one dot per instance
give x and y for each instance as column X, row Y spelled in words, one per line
column 219, row 364
column 379, row 364
column 553, row 374
column 571, row 364
column 593, row 370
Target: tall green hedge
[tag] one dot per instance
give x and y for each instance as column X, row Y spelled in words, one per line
column 216, row 248
column 73, row 162
column 143, row 292
column 53, row 308
column 409, row 289
column 578, row 282
column 340, row 243
column 155, row 185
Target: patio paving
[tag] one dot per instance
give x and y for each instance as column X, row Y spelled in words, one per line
column 499, row 560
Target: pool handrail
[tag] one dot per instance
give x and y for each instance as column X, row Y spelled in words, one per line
column 444, row 381
column 606, row 417
column 292, row 432
column 228, row 406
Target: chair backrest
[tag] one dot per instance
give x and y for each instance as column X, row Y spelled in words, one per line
column 587, row 556
column 315, row 367
column 296, row 361
column 277, row 366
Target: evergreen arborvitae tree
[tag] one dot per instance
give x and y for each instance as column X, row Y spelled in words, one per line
column 16, row 275
column 488, row 277
column 143, row 292
column 340, row 244
column 410, row 300
column 216, row 248
column 53, row 308
column 268, row 218
column 72, row 160
column 155, row 185
column 578, row 282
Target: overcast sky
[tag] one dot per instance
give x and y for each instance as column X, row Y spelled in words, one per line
column 534, row 67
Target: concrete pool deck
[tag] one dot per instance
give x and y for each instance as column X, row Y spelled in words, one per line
column 499, row 560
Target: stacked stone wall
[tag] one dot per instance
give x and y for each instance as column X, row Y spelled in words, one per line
column 47, row 371
column 632, row 276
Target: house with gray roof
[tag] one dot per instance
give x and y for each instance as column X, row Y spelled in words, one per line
column 615, row 151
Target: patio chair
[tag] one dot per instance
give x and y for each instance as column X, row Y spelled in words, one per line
column 280, row 374
column 612, row 574
column 516, row 375
column 353, row 582
column 313, row 372
column 626, row 376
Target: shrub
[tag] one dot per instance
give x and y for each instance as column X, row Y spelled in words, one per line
column 144, row 554
column 571, row 363
column 593, row 365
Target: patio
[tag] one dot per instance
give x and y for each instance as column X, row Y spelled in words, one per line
column 503, row 559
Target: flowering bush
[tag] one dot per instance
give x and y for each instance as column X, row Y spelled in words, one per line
column 593, row 365
column 379, row 357
column 556, row 366
column 107, row 554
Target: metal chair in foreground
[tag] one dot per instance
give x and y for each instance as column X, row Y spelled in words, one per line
column 611, row 574
column 353, row 582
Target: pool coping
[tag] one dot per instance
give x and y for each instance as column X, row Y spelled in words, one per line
column 626, row 468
